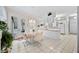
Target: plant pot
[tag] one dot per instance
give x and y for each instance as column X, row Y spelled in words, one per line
column 6, row 50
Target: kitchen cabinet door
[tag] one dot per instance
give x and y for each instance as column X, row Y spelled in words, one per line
column 61, row 27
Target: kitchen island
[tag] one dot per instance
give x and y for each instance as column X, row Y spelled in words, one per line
column 52, row 33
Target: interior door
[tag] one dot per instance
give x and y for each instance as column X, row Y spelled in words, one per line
column 73, row 26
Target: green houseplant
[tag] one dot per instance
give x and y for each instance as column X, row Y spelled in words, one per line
column 7, row 37
column 6, row 40
column 3, row 26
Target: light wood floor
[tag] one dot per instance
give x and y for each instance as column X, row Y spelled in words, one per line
column 66, row 44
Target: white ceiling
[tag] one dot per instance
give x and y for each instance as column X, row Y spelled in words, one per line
column 44, row 10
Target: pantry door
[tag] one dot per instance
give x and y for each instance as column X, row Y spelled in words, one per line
column 73, row 26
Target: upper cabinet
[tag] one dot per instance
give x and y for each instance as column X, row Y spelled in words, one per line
column 3, row 15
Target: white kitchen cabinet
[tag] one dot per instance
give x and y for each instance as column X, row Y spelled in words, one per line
column 52, row 33
column 62, row 27
column 62, row 24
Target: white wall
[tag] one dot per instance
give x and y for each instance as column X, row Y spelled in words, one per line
column 3, row 15
column 26, row 16
column 15, row 14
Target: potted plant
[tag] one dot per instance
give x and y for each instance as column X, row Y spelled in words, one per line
column 7, row 37
column 3, row 26
column 6, row 41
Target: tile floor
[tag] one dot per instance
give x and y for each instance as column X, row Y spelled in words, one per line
column 66, row 44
